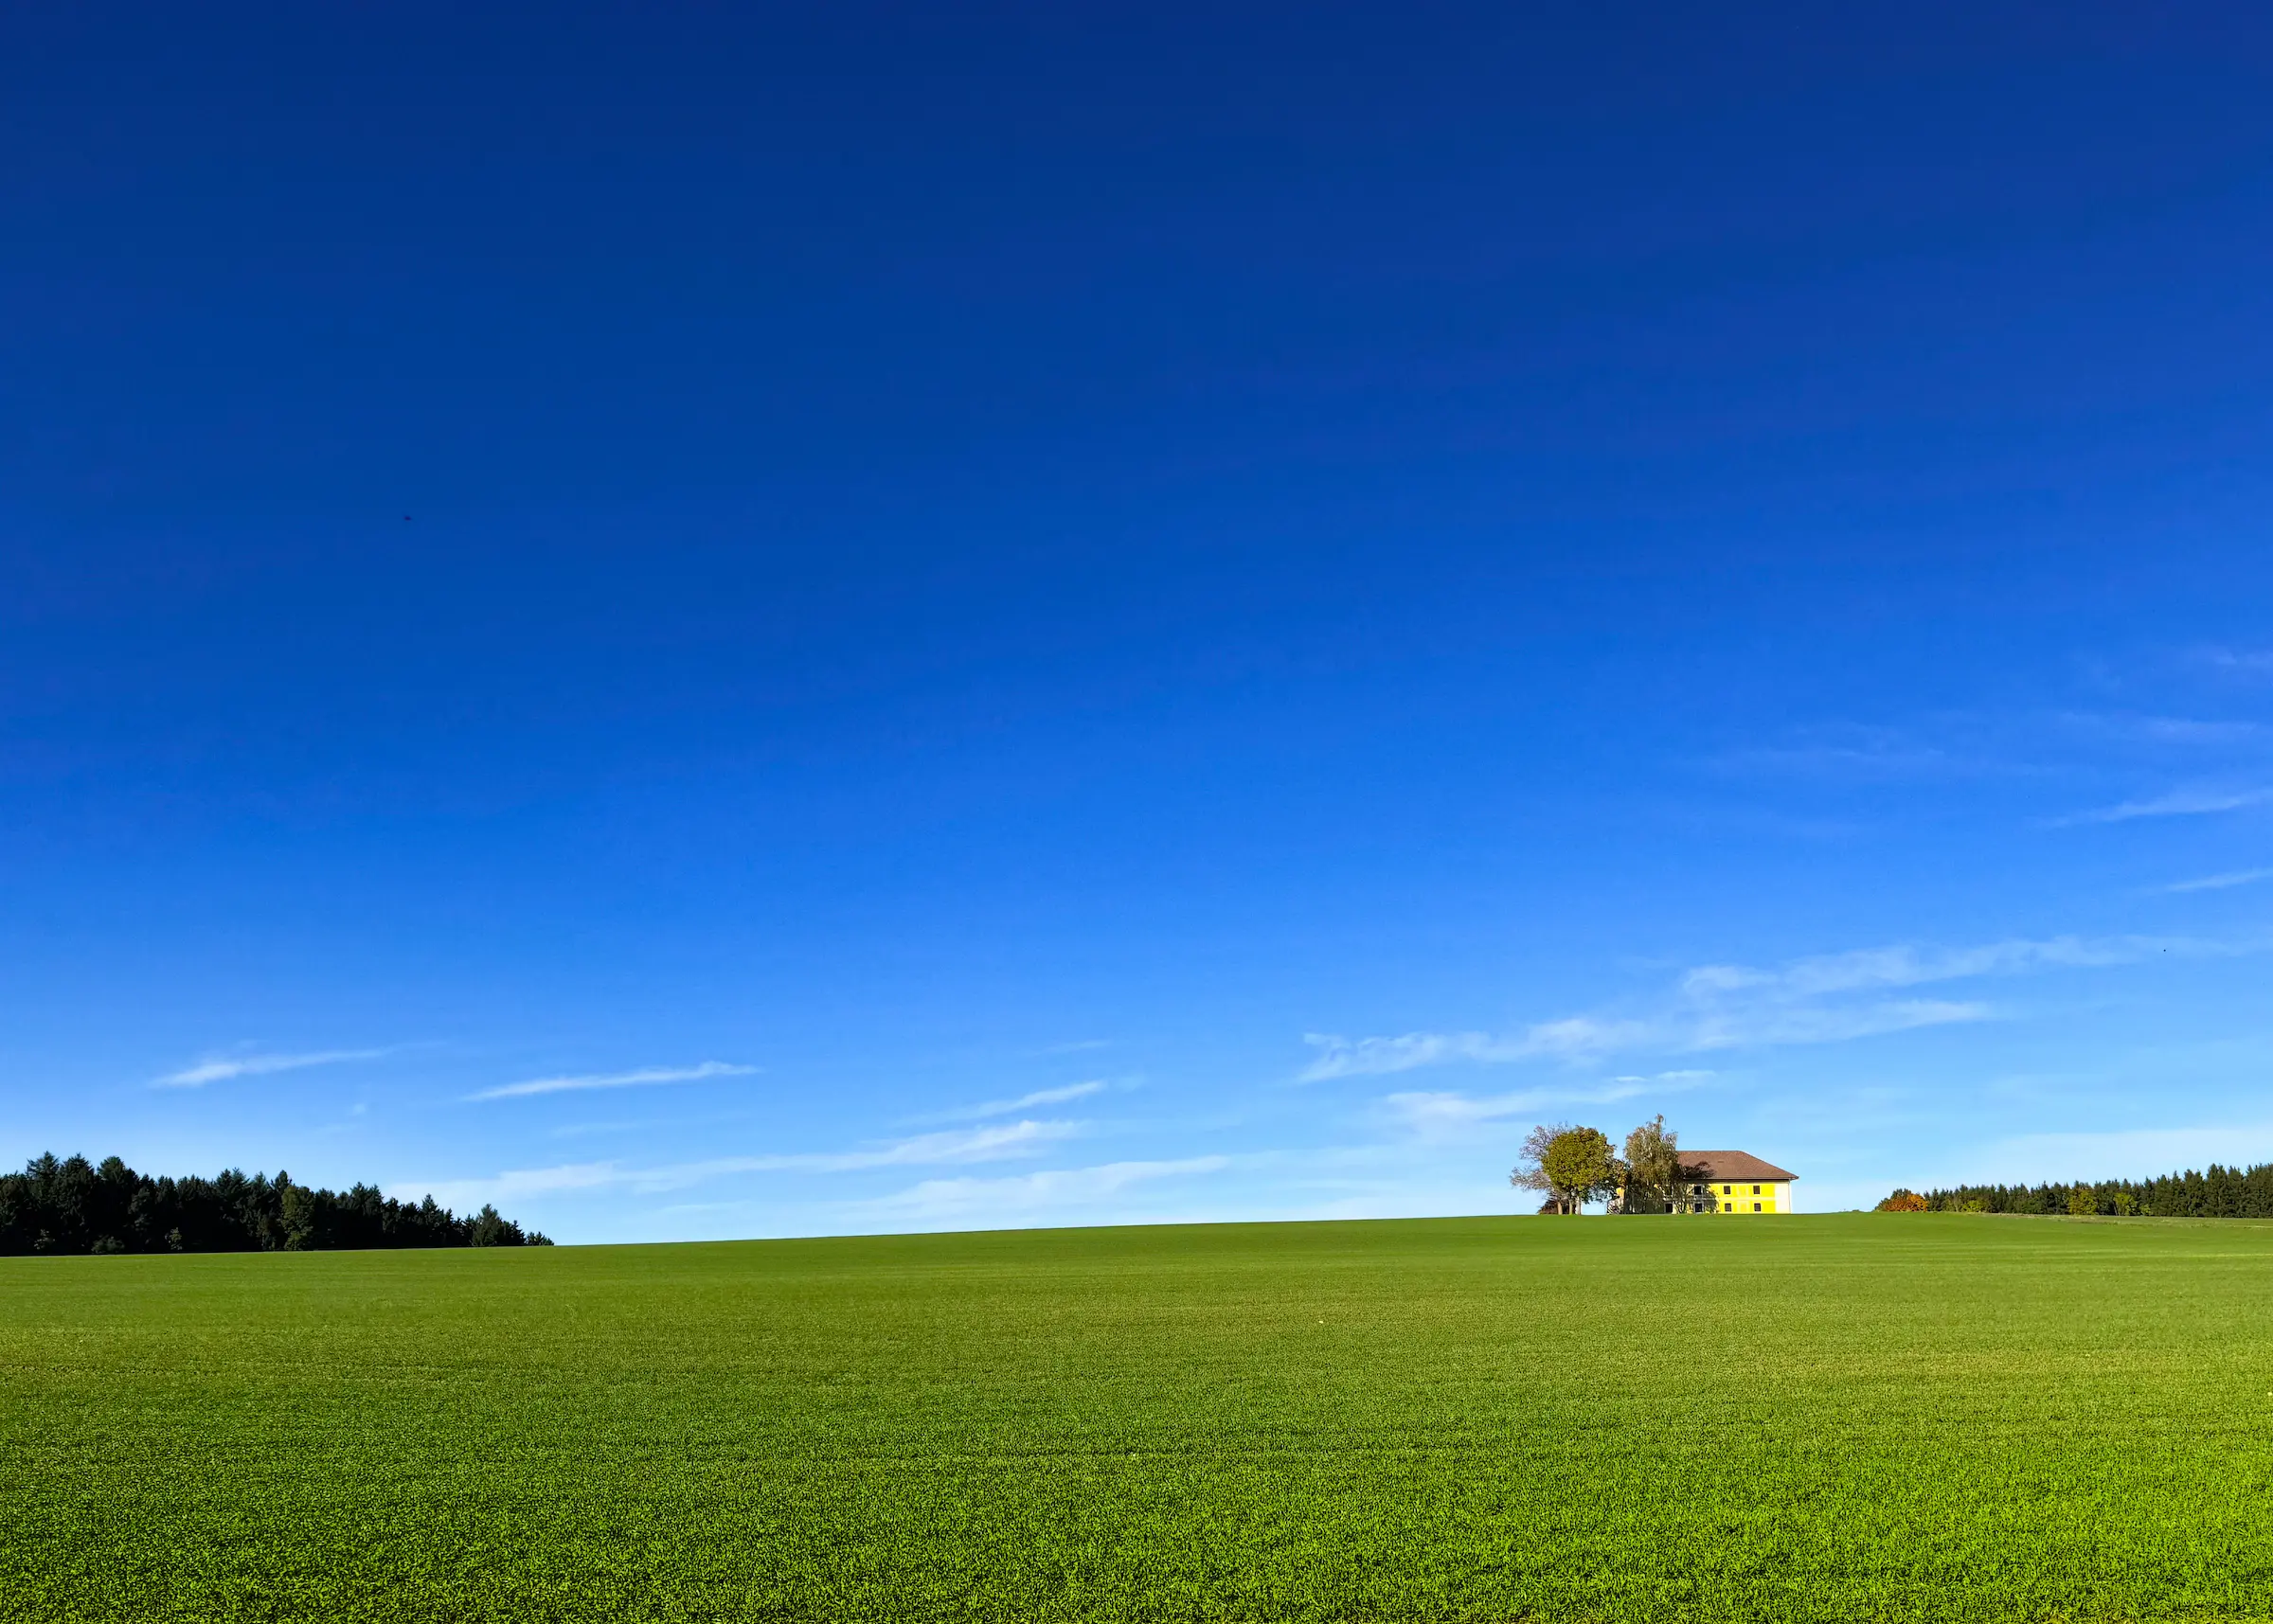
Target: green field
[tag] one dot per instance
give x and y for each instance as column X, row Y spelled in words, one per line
column 1836, row 1418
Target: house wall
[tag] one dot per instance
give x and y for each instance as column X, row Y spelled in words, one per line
column 1733, row 1198
column 1747, row 1198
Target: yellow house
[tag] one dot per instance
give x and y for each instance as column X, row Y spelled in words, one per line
column 1732, row 1182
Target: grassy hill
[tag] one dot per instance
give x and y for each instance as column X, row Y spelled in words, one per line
column 1832, row 1417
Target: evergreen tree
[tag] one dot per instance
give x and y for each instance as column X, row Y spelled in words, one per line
column 2219, row 1192
column 75, row 1206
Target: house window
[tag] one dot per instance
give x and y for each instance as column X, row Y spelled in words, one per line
column 1755, row 1190
column 1756, row 1207
column 1728, row 1189
column 1728, row 1206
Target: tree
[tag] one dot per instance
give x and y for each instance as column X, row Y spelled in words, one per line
column 1581, row 1165
column 2220, row 1192
column 1530, row 1172
column 74, row 1206
column 1653, row 1167
column 296, row 1214
column 492, row 1229
column 1903, row 1201
column 1571, row 1165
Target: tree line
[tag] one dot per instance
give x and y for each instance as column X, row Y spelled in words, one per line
column 2220, row 1192
column 75, row 1206
column 1574, row 1166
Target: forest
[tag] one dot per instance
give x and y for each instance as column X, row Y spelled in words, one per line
column 2220, row 1192
column 75, row 1206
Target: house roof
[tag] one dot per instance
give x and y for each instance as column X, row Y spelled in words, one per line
column 1733, row 1165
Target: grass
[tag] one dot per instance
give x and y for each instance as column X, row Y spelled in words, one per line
column 1836, row 1417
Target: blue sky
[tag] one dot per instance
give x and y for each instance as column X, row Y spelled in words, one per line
column 727, row 623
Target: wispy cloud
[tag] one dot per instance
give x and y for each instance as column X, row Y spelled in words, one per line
column 220, row 1068
column 2139, row 1153
column 1774, row 1027
column 1023, row 1102
column 1444, row 1116
column 2237, row 662
column 2199, row 730
column 640, row 1124
column 1874, row 968
column 1822, row 999
column 2184, row 731
column 2221, row 882
column 989, row 1144
column 1001, row 1142
column 1372, row 1056
column 521, row 1184
column 1849, row 751
column 2178, row 803
column 645, row 1077
column 1024, row 1195
column 1573, row 1036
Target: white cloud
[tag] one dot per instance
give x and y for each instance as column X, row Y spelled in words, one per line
column 643, row 1078
column 2197, row 730
column 1575, row 1036
column 1023, row 1102
column 518, row 1184
column 1024, row 1195
column 2132, row 727
column 2178, row 803
column 220, row 1068
column 1447, row 1115
column 1761, row 1028
column 2244, row 662
column 1874, row 968
column 2219, row 882
column 1822, row 999
column 2141, row 1153
column 1001, row 1142
column 1372, row 1057
column 955, row 1145
column 1850, row 752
